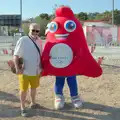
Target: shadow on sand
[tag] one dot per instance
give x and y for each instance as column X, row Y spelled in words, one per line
column 8, row 97
column 90, row 111
column 7, row 110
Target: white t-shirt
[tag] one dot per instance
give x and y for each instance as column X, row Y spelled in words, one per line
column 26, row 49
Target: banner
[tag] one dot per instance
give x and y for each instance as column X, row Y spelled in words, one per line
column 101, row 35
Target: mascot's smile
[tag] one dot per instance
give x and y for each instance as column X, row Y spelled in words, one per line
column 61, row 36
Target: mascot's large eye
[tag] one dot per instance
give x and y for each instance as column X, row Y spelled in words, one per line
column 70, row 26
column 53, row 26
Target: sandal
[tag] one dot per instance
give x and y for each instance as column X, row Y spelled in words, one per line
column 24, row 113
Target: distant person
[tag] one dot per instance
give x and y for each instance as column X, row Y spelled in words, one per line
column 93, row 47
column 29, row 49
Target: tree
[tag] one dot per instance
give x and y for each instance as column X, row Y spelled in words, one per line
column 99, row 16
column 92, row 16
column 107, row 15
column 117, row 17
column 43, row 23
column 25, row 28
column 82, row 16
column 45, row 16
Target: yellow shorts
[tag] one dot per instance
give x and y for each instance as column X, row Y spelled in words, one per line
column 26, row 82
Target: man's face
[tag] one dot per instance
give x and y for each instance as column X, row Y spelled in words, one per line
column 34, row 31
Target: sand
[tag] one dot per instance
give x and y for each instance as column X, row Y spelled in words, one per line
column 101, row 97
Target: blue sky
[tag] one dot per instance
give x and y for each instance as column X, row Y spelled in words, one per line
column 32, row 8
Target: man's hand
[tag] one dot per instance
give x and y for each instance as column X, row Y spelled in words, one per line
column 19, row 71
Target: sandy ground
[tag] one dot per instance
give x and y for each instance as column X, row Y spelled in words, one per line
column 101, row 96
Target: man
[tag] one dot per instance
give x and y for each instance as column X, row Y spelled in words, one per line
column 29, row 49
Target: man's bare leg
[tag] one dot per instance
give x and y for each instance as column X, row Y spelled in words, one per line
column 23, row 95
column 33, row 95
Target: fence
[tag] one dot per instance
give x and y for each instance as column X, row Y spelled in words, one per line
column 111, row 54
column 7, row 44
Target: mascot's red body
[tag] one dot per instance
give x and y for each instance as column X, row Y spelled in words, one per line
column 66, row 52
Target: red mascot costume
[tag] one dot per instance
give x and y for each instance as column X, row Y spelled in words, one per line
column 66, row 52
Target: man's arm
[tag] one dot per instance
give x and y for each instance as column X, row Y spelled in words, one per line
column 18, row 52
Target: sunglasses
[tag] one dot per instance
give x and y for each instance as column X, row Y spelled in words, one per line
column 37, row 31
